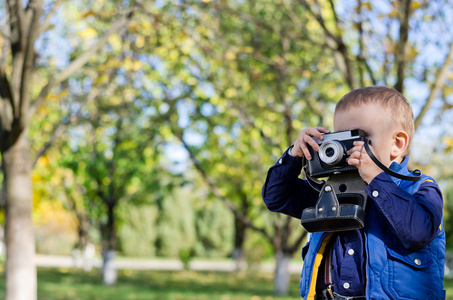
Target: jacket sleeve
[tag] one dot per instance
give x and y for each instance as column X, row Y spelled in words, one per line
column 414, row 218
column 284, row 192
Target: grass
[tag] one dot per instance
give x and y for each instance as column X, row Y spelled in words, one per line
column 60, row 283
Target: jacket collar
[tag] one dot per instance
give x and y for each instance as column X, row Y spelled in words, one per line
column 400, row 168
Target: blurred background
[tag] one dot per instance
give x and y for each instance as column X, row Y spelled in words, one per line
column 135, row 136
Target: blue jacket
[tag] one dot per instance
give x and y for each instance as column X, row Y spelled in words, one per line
column 401, row 263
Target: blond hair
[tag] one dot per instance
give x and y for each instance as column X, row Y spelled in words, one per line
column 392, row 100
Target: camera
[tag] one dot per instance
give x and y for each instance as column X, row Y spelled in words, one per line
column 342, row 198
column 331, row 158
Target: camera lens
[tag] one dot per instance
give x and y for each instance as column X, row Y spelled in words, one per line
column 331, row 152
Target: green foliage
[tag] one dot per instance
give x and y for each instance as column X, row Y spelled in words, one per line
column 185, row 256
column 257, row 249
column 214, row 225
column 175, row 226
column 137, row 233
column 182, row 224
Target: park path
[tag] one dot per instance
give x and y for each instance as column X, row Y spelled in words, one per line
column 157, row 264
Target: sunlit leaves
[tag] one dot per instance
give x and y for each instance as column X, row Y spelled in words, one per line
column 88, row 33
column 115, row 41
column 448, row 142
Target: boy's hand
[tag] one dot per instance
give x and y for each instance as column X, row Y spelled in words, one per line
column 300, row 148
column 360, row 159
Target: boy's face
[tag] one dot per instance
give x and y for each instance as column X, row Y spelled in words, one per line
column 375, row 121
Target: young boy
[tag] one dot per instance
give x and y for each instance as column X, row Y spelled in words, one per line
column 400, row 252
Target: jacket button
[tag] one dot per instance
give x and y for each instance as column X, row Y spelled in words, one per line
column 346, row 285
column 375, row 194
column 280, row 161
column 351, row 251
column 417, row 261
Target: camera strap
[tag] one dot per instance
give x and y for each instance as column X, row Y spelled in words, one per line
column 313, row 182
column 387, row 170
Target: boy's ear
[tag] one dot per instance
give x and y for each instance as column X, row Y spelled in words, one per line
column 400, row 143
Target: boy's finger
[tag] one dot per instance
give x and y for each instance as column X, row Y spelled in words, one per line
column 356, row 148
column 322, row 129
column 305, row 150
column 353, row 162
column 297, row 150
column 315, row 132
column 352, row 150
column 312, row 143
column 355, row 155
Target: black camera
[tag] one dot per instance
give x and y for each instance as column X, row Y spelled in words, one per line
column 342, row 198
column 331, row 158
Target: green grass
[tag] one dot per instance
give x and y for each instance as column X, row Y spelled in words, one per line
column 59, row 283
column 448, row 285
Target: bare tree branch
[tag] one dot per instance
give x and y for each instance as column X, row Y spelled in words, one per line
column 335, row 15
column 404, row 14
column 16, row 21
column 35, row 10
column 361, row 56
column 336, row 44
column 45, row 24
column 29, row 11
column 78, row 63
column 297, row 242
column 435, row 87
column 5, row 93
column 17, row 37
column 6, row 32
column 5, row 35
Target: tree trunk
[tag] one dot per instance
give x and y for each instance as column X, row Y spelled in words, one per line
column 82, row 232
column 282, row 275
column 239, row 237
column 85, row 247
column 82, row 250
column 19, row 235
column 109, row 273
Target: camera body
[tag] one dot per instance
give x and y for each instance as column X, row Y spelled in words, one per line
column 331, row 158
